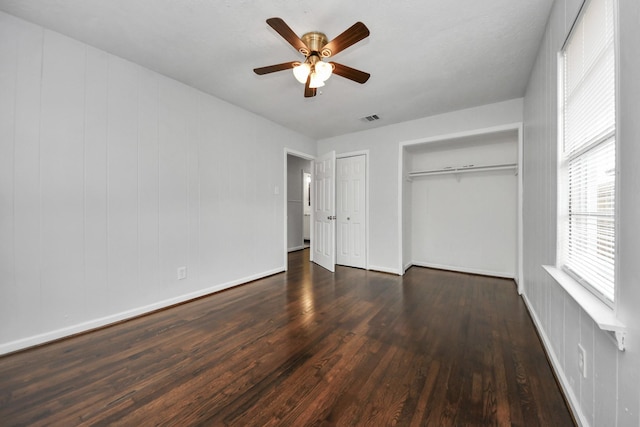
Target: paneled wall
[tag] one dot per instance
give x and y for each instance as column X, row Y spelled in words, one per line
column 610, row 394
column 112, row 177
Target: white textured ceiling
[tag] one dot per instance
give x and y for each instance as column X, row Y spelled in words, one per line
column 425, row 56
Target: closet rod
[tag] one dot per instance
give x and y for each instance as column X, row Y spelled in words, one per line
column 464, row 169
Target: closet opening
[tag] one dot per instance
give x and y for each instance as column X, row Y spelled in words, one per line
column 461, row 202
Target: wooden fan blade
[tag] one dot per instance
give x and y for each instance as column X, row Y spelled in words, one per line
column 287, row 33
column 277, row 67
column 308, row 91
column 350, row 36
column 350, row 73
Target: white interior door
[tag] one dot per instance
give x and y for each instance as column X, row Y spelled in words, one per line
column 350, row 211
column 323, row 244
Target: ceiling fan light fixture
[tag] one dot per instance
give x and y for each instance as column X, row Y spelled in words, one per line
column 315, row 47
column 301, row 72
column 323, row 70
column 316, row 81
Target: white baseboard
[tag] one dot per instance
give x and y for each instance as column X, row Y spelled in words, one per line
column 407, row 266
column 297, row 248
column 464, row 269
column 574, row 403
column 124, row 315
column 385, row 270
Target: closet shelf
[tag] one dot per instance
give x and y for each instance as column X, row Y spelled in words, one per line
column 464, row 169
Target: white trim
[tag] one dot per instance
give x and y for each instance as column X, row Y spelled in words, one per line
column 305, row 156
column 296, row 248
column 617, row 68
column 574, row 402
column 520, row 219
column 406, row 267
column 403, row 268
column 300, row 154
column 464, row 269
column 386, row 270
column 600, row 312
column 483, row 131
column 352, row 154
column 34, row 340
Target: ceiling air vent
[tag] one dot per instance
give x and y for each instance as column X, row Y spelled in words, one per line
column 371, row 118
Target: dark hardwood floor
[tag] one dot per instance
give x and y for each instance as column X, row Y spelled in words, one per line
column 302, row 348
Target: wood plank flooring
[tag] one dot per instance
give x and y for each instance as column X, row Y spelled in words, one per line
column 302, row 348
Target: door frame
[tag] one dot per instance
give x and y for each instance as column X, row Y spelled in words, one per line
column 305, row 156
column 364, row 153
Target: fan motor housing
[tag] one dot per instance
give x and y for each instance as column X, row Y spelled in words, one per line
column 315, row 41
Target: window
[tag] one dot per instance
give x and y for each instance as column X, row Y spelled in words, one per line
column 587, row 152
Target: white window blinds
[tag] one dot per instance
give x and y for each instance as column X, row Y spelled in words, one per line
column 589, row 151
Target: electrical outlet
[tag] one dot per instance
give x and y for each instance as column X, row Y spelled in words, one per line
column 582, row 361
column 182, row 273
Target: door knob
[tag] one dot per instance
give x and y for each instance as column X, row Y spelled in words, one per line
column 348, row 218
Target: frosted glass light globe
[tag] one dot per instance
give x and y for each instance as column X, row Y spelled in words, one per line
column 323, row 70
column 301, row 72
column 316, row 81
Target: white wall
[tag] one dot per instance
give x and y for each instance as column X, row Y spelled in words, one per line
column 295, row 206
column 610, row 395
column 468, row 221
column 112, row 177
column 383, row 145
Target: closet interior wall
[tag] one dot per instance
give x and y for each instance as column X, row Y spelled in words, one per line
column 462, row 199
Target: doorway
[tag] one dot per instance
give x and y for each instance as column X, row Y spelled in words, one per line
column 298, row 202
column 461, row 202
column 306, row 209
column 310, row 195
column 340, row 210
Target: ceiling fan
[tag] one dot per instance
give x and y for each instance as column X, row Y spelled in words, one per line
column 313, row 71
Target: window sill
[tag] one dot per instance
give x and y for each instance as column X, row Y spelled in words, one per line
column 600, row 313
